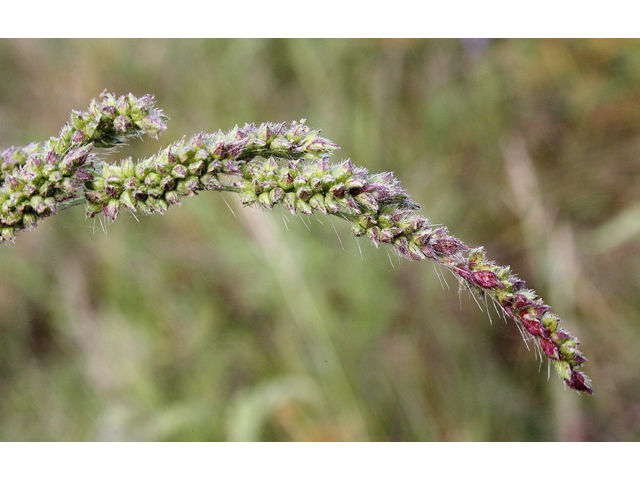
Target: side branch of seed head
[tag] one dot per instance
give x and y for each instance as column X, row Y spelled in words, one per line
column 35, row 181
column 197, row 164
column 380, row 209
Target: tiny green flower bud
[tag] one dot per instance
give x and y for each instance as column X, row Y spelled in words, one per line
column 158, row 204
column 476, row 256
column 218, row 150
column 303, row 207
column 188, row 186
column 374, row 235
column 179, row 171
column 265, row 200
column 285, row 179
column 331, row 203
column 317, row 203
column 300, row 181
column 152, row 179
column 151, row 125
column 385, row 221
column 51, row 205
column 257, row 186
column 289, row 202
column 122, row 123
column 131, row 183
column 172, row 198
column 127, row 201
column 89, row 130
column 550, row 321
column 67, row 187
column 367, row 220
column 316, row 184
column 77, row 119
column 343, row 171
column 214, row 166
column 248, row 197
column 358, row 230
column 355, row 182
column 78, row 137
column 37, row 203
column 142, row 170
column 560, row 336
column 110, row 210
column 563, row 369
column 210, row 181
column 7, row 234
column 422, row 238
column 503, row 273
column 349, row 203
column 281, row 146
column 276, row 194
column 309, row 171
column 270, row 165
column 328, row 181
column 92, row 209
column 231, row 167
column 388, row 234
column 321, row 145
column 197, row 141
column 269, row 184
column 29, row 190
column 367, row 201
column 569, row 350
column 415, row 252
column 337, row 190
column 10, row 217
column 144, row 207
column 122, row 106
column 322, row 166
column 46, row 188
column 146, row 101
column 197, row 167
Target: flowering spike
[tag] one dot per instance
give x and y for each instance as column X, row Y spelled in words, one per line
column 272, row 164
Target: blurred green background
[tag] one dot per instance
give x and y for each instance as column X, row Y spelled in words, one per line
column 215, row 322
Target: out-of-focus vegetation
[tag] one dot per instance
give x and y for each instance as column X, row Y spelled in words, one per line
column 214, row 322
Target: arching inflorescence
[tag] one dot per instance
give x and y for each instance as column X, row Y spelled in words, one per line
column 268, row 165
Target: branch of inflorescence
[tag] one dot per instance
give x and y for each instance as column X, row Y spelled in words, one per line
column 266, row 165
